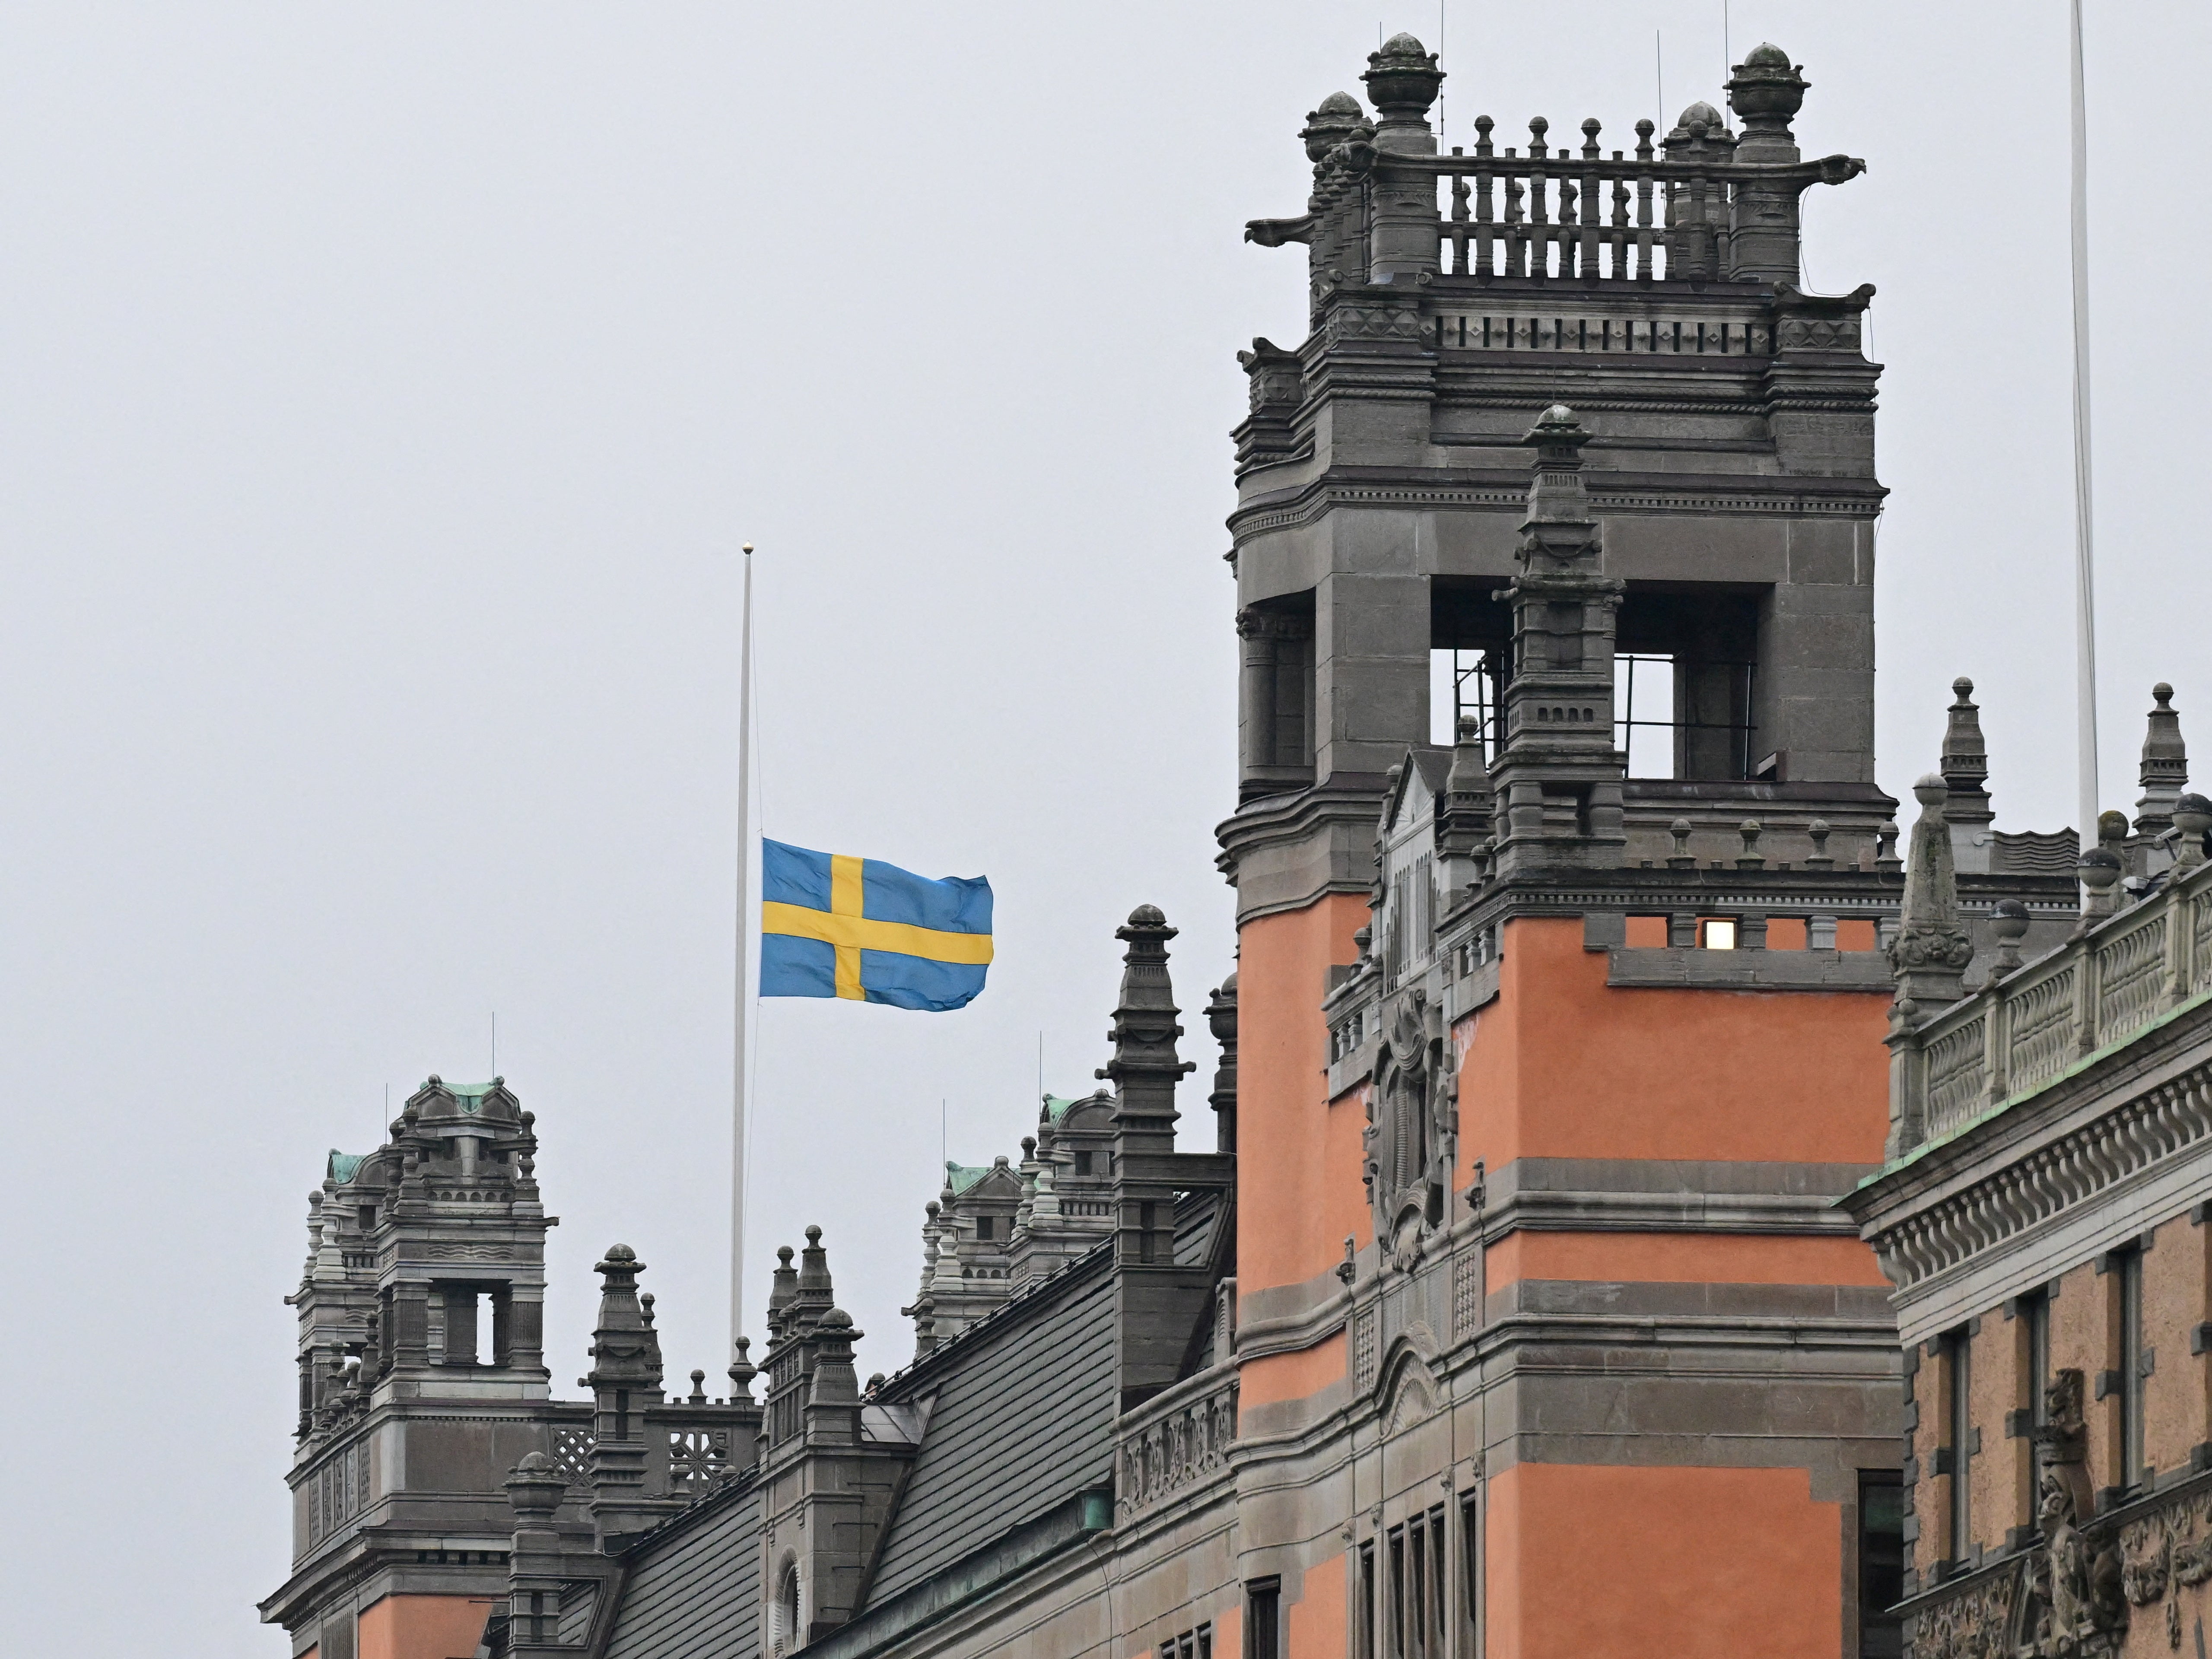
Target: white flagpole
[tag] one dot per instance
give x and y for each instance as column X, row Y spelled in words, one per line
column 2085, row 591
column 744, row 918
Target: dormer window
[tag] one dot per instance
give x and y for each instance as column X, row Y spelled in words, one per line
column 984, row 1225
column 1083, row 1163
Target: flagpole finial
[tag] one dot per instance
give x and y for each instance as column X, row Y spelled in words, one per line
column 747, row 548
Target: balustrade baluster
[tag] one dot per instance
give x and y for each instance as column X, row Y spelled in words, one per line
column 1485, row 254
column 1619, row 237
column 1516, row 236
column 1643, row 201
column 1540, row 216
column 1458, row 219
column 1586, row 258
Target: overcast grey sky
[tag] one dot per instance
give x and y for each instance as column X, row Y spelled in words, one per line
column 385, row 388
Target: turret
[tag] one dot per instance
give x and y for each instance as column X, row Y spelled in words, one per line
column 1157, row 1299
column 627, row 1464
column 829, row 1481
column 1558, row 773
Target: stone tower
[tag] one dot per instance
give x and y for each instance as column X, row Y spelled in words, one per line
column 438, row 1487
column 422, row 1376
column 1561, row 871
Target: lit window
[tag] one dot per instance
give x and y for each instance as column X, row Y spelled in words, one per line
column 1718, row 935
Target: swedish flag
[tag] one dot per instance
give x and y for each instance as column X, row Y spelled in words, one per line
column 837, row 926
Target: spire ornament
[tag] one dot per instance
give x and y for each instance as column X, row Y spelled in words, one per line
column 1930, row 954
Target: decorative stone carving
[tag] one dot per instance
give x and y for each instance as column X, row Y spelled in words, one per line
column 1974, row 1625
column 2073, row 1608
column 1411, row 1111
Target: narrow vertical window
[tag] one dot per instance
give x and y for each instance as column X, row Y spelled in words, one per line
column 1417, row 1583
column 1394, row 1638
column 1882, row 1563
column 1959, row 1430
column 2032, row 1311
column 1438, row 1601
column 1470, row 1569
column 1262, row 1632
column 2129, row 1439
column 1364, row 1643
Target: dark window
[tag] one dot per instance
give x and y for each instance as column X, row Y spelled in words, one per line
column 1205, row 1642
column 1262, row 1628
column 2033, row 1314
column 1437, row 1617
column 1417, row 1623
column 1470, row 1561
column 983, row 1228
column 368, row 1217
column 2129, row 1265
column 1958, row 1431
column 1366, row 1645
column 1083, row 1163
column 1882, row 1563
column 1394, row 1638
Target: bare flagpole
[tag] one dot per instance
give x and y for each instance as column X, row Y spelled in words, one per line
column 2085, row 585
column 744, row 917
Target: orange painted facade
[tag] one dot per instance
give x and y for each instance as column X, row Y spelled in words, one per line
column 1298, row 1194
column 1585, row 1561
column 1295, row 1376
column 1563, row 1065
column 1579, row 1558
column 422, row 1627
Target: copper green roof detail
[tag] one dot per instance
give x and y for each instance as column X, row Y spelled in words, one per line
column 960, row 1177
column 1055, row 1108
column 342, row 1165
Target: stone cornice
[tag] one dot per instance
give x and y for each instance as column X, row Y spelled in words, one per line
column 1507, row 491
column 2122, row 1139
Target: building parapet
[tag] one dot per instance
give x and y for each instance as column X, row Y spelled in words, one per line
column 1175, row 1442
column 2035, row 1023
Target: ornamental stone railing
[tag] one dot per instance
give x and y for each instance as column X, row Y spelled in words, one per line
column 2080, row 1598
column 1175, row 1442
column 2030, row 1023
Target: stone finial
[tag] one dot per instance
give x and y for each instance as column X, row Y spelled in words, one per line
column 1557, row 493
column 2111, row 828
column 698, row 1395
column 1221, row 1020
column 1146, row 1067
column 1469, row 780
column 1401, row 80
column 1966, row 769
column 1680, row 857
column 2192, row 816
column 2100, row 870
column 1751, row 858
column 1885, row 847
column 1930, row 954
column 742, row 1372
column 783, row 1290
column 1818, row 831
column 1766, row 91
column 2164, row 767
column 1333, row 120
column 2009, row 922
column 624, row 1351
column 535, row 1489
column 1699, row 121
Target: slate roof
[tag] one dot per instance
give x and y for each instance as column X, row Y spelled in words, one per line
column 1023, row 1417
column 694, row 1591
column 1020, row 1419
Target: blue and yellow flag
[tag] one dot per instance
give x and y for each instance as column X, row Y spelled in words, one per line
column 838, row 927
